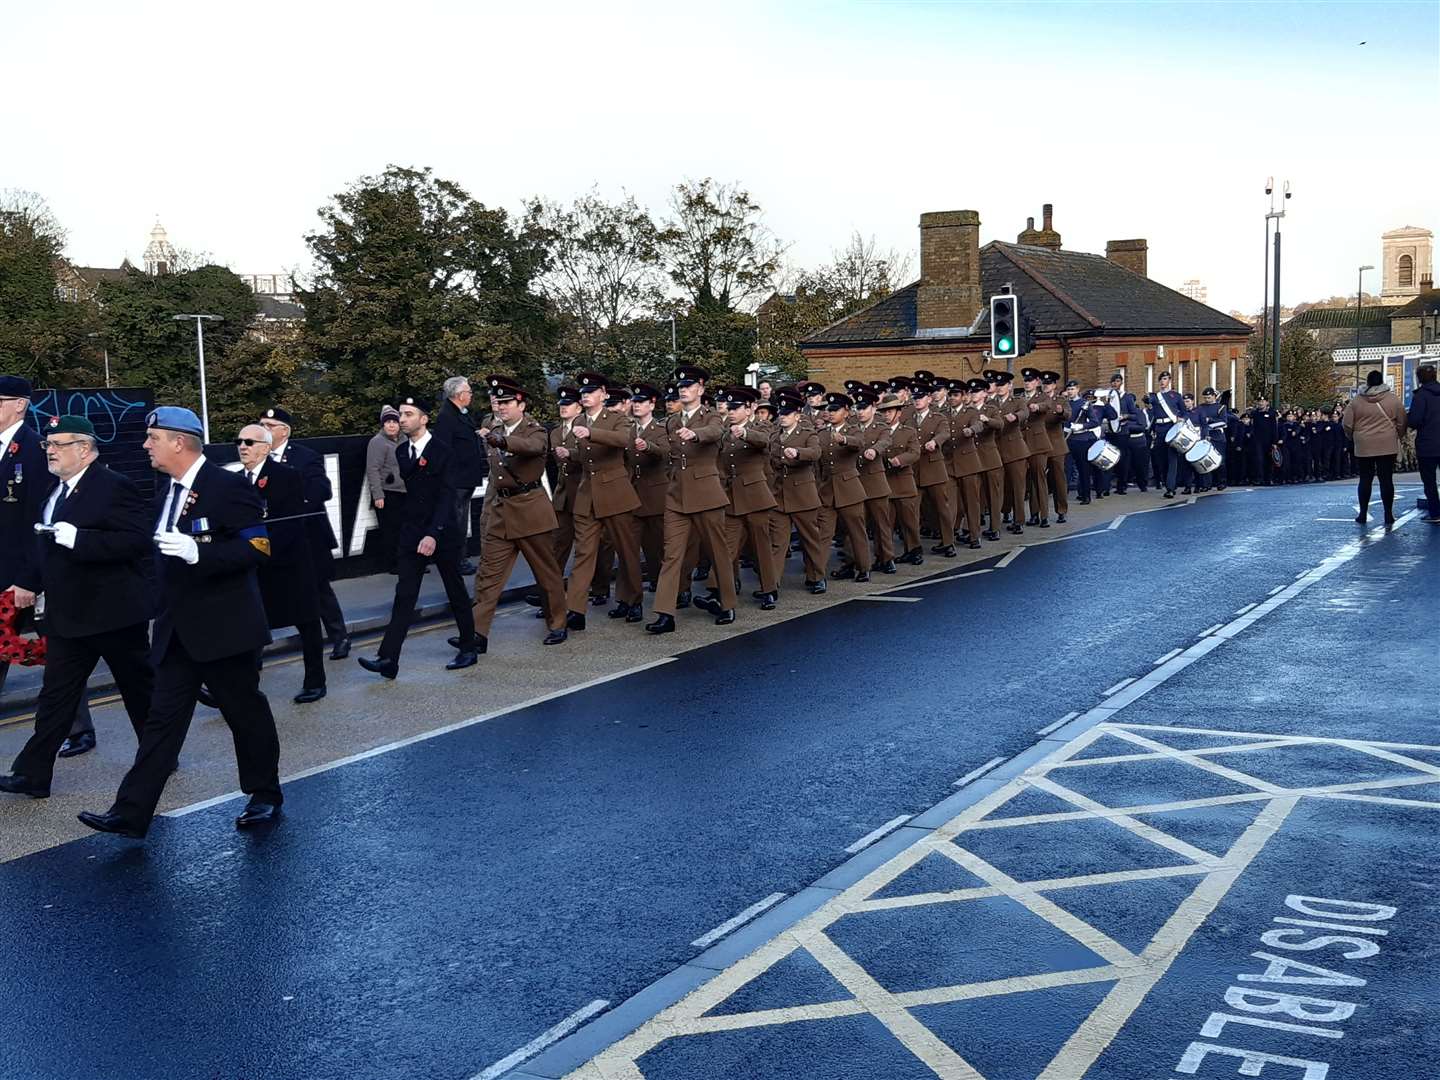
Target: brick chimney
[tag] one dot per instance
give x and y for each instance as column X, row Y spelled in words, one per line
column 1427, row 282
column 1046, row 236
column 949, row 296
column 1131, row 254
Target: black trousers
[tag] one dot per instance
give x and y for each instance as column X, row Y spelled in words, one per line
column 1428, row 467
column 235, row 682
column 407, row 590
column 389, row 519
column 312, row 652
column 1084, row 471
column 69, row 662
column 1384, row 467
column 1137, row 461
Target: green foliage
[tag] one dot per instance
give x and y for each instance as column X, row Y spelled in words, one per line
column 416, row 281
column 717, row 248
column 1307, row 373
column 42, row 337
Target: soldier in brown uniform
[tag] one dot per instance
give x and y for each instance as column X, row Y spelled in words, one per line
column 875, row 436
column 605, row 501
column 567, row 472
column 650, row 463
column 967, row 430
column 992, row 468
column 695, row 502
column 842, row 495
column 744, row 456
column 932, row 476
column 1037, row 440
column 1055, row 421
column 1013, row 450
column 900, row 460
column 794, row 452
column 519, row 518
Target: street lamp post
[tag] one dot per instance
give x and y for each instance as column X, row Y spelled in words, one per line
column 1275, row 306
column 1265, row 262
column 1359, row 310
column 674, row 352
column 105, row 350
column 200, row 321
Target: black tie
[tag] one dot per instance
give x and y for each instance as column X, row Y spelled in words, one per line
column 177, row 493
column 59, row 502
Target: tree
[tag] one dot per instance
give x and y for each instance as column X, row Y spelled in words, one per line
column 42, row 337
column 416, row 281
column 256, row 373
column 1307, row 373
column 717, row 248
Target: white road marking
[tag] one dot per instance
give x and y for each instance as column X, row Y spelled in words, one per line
column 1335, row 519
column 1062, row 721
column 1008, row 558
column 398, row 743
column 875, row 834
column 938, row 580
column 704, row 941
column 1117, row 522
column 540, row 1042
column 975, row 774
column 892, row 599
column 1168, row 656
column 1211, row 629
column 1118, row 686
column 1276, row 589
column 1243, row 610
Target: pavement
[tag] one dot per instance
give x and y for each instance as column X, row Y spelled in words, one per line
column 1029, row 815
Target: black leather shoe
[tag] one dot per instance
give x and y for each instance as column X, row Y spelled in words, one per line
column 844, row 573
column 635, row 614
column 682, row 601
column 111, row 823
column 22, row 785
column 381, row 666
column 759, row 594
column 1169, row 495
column 309, row 694
column 1086, row 501
column 816, row 587
column 862, row 577
column 534, row 599
column 1059, row 519
column 769, row 600
column 948, row 551
column 556, row 637
column 480, row 644
column 974, row 544
column 1016, row 530
column 663, row 624
column 204, row 697
column 341, row 648
column 467, row 568
column 619, row 611
column 575, row 620
column 463, row 659
column 257, row 813
column 1187, row 491
column 709, row 603
column 1033, row 520
column 75, row 745
column 1044, row 523
column 991, row 535
column 598, row 600
column 886, row 567
column 726, row 617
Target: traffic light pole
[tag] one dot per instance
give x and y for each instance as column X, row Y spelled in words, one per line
column 1275, row 337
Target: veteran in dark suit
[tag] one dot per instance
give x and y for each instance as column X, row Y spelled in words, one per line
column 209, row 537
column 24, row 482
column 94, row 534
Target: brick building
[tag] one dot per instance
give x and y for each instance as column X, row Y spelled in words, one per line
column 1092, row 315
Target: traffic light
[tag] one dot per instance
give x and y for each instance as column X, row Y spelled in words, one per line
column 1027, row 335
column 1004, row 327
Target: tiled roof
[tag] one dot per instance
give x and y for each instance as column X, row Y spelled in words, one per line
column 1341, row 318
column 1062, row 292
column 1424, row 304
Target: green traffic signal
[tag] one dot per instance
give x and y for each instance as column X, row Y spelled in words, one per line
column 1004, row 344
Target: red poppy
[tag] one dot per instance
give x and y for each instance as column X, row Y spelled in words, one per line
column 262, row 482
column 14, row 447
column 422, row 463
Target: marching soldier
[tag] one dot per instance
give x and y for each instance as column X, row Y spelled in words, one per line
column 1168, row 410
column 567, row 475
column 794, row 452
column 967, row 429
column 744, row 456
column 875, row 443
column 842, row 495
column 1014, row 453
column 992, row 469
column 1037, row 441
column 1135, row 432
column 900, row 458
column 1211, row 416
column 814, row 400
column 1056, row 416
column 932, row 476
column 695, row 502
column 650, row 463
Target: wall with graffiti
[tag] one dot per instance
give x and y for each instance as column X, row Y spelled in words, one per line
column 118, row 414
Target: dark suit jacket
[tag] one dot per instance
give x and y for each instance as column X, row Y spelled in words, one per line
column 25, row 477
column 287, row 578
column 468, row 467
column 214, row 607
column 99, row 585
column 429, row 508
column 311, row 467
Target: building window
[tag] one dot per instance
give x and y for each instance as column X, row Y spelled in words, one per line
column 1212, row 372
column 1407, row 271
column 1149, row 377
column 1232, row 381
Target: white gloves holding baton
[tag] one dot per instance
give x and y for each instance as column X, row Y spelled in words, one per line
column 178, row 546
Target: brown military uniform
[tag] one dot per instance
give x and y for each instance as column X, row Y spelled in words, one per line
column 1015, row 454
column 694, row 503
column 876, row 436
column 797, row 496
column 650, row 477
column 519, row 520
column 842, row 494
column 904, row 495
column 932, row 476
column 1055, row 421
column 992, row 468
column 744, row 464
column 605, row 501
column 966, row 429
column 1037, row 441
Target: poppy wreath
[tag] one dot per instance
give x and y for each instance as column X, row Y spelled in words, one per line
column 15, row 649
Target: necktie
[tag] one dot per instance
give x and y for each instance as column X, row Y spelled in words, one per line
column 59, row 502
column 177, row 495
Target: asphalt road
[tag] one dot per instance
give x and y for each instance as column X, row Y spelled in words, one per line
column 428, row 911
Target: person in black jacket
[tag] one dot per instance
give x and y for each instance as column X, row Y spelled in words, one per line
column 209, row 537
column 287, row 578
column 1264, row 437
column 94, row 533
column 455, row 427
column 318, row 492
column 24, row 482
column 428, row 532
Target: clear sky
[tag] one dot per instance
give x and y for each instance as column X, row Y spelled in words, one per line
column 233, row 123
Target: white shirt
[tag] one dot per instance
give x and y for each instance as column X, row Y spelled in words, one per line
column 69, row 486
column 254, row 474
column 417, row 446
column 186, row 482
column 277, row 451
column 8, row 435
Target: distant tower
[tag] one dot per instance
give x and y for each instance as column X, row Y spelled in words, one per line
column 1405, row 259
column 160, row 256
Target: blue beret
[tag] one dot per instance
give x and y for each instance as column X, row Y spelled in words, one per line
column 174, row 418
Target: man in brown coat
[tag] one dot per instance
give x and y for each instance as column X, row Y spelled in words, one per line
column 795, row 450
column 900, row 460
column 650, row 462
column 695, row 502
column 992, row 468
column 1055, row 421
column 1014, row 453
column 519, row 518
column 875, row 448
column 744, row 457
column 967, row 428
column 842, row 495
column 932, row 476
column 1037, row 441
column 567, row 472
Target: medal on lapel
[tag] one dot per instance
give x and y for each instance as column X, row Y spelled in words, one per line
column 18, row 477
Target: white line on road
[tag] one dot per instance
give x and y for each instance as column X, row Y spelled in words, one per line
column 1211, row 629
column 938, row 580
column 1058, row 723
column 1117, row 522
column 1008, row 558
column 892, row 599
column 181, row 811
column 540, row 1042
column 1118, row 686
column 1168, row 656
column 1276, row 589
column 875, row 834
column 1243, row 610
column 706, row 940
column 975, row 774
column 1334, row 519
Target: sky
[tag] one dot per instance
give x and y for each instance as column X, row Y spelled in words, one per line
column 233, row 124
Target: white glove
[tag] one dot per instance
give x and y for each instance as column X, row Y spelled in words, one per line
column 65, row 534
column 179, row 546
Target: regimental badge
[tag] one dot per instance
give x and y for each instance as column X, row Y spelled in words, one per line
column 54, row 421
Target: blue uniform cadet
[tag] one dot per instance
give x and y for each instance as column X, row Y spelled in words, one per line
column 1167, row 409
column 1212, row 417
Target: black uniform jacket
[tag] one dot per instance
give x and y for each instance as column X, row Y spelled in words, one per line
column 24, row 478
column 429, row 508
column 287, row 578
